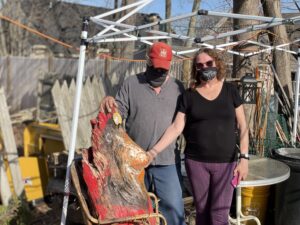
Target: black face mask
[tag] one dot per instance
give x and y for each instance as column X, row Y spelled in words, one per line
column 155, row 77
column 207, row 74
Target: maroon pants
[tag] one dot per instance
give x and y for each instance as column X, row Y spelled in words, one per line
column 212, row 190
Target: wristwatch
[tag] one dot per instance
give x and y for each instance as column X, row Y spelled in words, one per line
column 244, row 156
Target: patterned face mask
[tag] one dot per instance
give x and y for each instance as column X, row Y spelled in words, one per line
column 207, row 74
column 155, row 77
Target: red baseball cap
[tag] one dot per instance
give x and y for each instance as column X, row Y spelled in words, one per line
column 161, row 55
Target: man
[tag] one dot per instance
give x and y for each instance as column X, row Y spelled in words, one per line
column 148, row 104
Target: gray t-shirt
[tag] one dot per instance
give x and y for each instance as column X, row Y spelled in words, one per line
column 148, row 114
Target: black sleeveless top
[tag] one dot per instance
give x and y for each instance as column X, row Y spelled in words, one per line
column 210, row 129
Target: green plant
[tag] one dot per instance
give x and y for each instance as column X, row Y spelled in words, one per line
column 16, row 213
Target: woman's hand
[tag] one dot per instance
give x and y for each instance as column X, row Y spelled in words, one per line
column 241, row 170
column 107, row 104
column 152, row 153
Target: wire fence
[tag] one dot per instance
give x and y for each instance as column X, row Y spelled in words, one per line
column 272, row 139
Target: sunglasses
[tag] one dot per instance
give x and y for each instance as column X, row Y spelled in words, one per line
column 209, row 63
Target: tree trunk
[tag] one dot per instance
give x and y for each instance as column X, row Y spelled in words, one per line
column 192, row 24
column 3, row 48
column 127, row 48
column 116, row 5
column 242, row 65
column 191, row 33
column 281, row 60
column 12, row 38
column 168, row 15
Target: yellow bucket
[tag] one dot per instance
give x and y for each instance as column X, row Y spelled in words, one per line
column 255, row 202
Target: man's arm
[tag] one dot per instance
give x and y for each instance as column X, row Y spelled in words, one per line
column 107, row 103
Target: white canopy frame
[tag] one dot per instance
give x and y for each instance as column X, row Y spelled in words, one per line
column 110, row 26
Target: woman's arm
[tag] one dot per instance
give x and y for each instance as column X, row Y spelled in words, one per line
column 242, row 167
column 172, row 132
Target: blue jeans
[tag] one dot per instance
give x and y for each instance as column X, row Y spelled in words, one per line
column 164, row 182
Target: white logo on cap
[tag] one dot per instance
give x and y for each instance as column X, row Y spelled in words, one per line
column 163, row 53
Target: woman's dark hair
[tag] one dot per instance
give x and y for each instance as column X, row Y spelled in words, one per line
column 216, row 57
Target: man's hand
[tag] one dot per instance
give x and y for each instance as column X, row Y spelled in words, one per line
column 107, row 104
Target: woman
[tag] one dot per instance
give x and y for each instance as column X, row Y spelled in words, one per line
column 208, row 114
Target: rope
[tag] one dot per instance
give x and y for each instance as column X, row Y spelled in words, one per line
column 119, row 58
column 104, row 56
column 35, row 31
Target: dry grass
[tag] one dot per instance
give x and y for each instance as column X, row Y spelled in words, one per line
column 17, row 212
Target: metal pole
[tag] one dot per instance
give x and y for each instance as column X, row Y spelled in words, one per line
column 71, row 153
column 115, row 29
column 236, row 32
column 135, row 28
column 124, row 17
column 209, row 37
column 222, row 35
column 278, row 47
column 238, row 205
column 133, row 39
column 248, row 29
column 120, row 9
column 209, row 46
column 240, row 16
column 144, row 41
column 295, row 122
column 108, row 22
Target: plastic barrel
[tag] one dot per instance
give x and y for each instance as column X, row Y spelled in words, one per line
column 287, row 193
column 254, row 202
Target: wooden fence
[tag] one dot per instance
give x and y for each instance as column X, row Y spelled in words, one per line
column 10, row 153
column 94, row 89
column 19, row 76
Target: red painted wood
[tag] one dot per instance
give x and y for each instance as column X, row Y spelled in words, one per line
column 113, row 170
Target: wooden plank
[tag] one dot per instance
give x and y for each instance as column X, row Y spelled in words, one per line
column 281, row 133
column 90, row 112
column 10, row 145
column 83, row 135
column 93, row 101
column 68, row 93
column 88, row 90
column 63, row 97
column 5, row 192
column 58, row 100
column 103, row 89
column 97, row 92
column 85, row 115
column 109, row 85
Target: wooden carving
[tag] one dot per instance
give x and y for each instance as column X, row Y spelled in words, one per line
column 113, row 169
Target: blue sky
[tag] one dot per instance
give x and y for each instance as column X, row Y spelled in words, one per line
column 182, row 6
column 158, row 6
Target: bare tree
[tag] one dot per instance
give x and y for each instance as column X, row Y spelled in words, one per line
column 281, row 60
column 42, row 16
column 191, row 33
column 242, row 65
column 13, row 39
column 127, row 49
column 116, row 5
column 192, row 24
column 168, row 15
